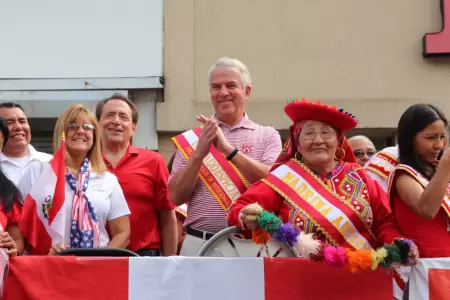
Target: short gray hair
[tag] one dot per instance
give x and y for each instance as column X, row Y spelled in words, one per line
column 227, row 63
column 361, row 138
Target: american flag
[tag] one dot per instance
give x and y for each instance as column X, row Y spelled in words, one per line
column 84, row 230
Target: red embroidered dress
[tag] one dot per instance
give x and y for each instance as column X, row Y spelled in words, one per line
column 356, row 189
column 344, row 208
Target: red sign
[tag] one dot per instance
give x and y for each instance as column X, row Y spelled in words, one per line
column 438, row 43
column 439, row 283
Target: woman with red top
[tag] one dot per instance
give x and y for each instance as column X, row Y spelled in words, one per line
column 317, row 186
column 10, row 207
column 419, row 187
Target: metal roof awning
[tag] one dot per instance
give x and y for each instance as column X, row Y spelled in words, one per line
column 80, row 84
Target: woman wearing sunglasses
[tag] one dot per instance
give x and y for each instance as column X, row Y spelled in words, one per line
column 93, row 197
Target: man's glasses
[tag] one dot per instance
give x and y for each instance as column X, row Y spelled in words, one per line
column 86, row 127
column 361, row 153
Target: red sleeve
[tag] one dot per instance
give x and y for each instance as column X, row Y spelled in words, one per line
column 161, row 190
column 15, row 214
column 258, row 192
column 384, row 226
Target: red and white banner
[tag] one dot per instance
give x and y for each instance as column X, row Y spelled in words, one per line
column 430, row 279
column 199, row 278
column 43, row 222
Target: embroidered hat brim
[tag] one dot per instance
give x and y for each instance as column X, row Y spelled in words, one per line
column 303, row 110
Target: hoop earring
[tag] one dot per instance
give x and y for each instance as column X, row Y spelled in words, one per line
column 340, row 154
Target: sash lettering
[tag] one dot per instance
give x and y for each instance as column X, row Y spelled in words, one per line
column 220, row 176
column 333, row 217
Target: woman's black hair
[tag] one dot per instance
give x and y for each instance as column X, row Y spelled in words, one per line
column 415, row 119
column 9, row 193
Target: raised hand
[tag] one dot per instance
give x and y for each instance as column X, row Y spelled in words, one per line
column 220, row 143
column 207, row 137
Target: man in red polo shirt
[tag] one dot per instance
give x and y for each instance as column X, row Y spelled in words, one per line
column 143, row 177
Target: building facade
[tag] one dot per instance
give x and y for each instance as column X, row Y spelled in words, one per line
column 364, row 56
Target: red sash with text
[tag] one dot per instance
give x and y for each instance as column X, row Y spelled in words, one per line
column 219, row 175
column 335, row 219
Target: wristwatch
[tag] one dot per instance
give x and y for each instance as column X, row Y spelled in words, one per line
column 232, row 154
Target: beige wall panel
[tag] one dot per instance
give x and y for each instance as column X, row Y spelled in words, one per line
column 166, row 147
column 365, row 56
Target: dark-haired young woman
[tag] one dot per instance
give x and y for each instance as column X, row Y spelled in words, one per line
column 10, row 207
column 419, row 188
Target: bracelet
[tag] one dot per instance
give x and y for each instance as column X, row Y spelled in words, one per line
column 232, row 154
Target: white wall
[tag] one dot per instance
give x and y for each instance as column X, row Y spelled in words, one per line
column 146, row 135
column 81, row 39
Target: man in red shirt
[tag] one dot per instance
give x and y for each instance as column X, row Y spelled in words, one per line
column 143, row 177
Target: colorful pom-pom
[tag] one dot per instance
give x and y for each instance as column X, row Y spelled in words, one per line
column 286, row 234
column 404, row 247
column 378, row 257
column 269, row 222
column 260, row 237
column 393, row 255
column 308, row 247
column 335, row 256
column 358, row 260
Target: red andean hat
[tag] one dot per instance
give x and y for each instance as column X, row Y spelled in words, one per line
column 302, row 110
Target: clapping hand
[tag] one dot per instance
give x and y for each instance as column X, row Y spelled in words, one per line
column 220, row 142
column 207, row 137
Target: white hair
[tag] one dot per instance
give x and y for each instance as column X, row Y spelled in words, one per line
column 361, row 138
column 227, row 63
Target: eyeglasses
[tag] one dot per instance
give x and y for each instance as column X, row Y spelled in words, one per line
column 86, row 127
column 361, row 153
column 311, row 134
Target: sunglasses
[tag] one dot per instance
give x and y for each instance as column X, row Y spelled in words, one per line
column 361, row 153
column 86, row 127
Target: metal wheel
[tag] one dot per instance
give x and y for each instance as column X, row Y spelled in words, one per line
column 226, row 243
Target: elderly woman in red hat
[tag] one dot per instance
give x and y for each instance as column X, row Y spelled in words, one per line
column 317, row 186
